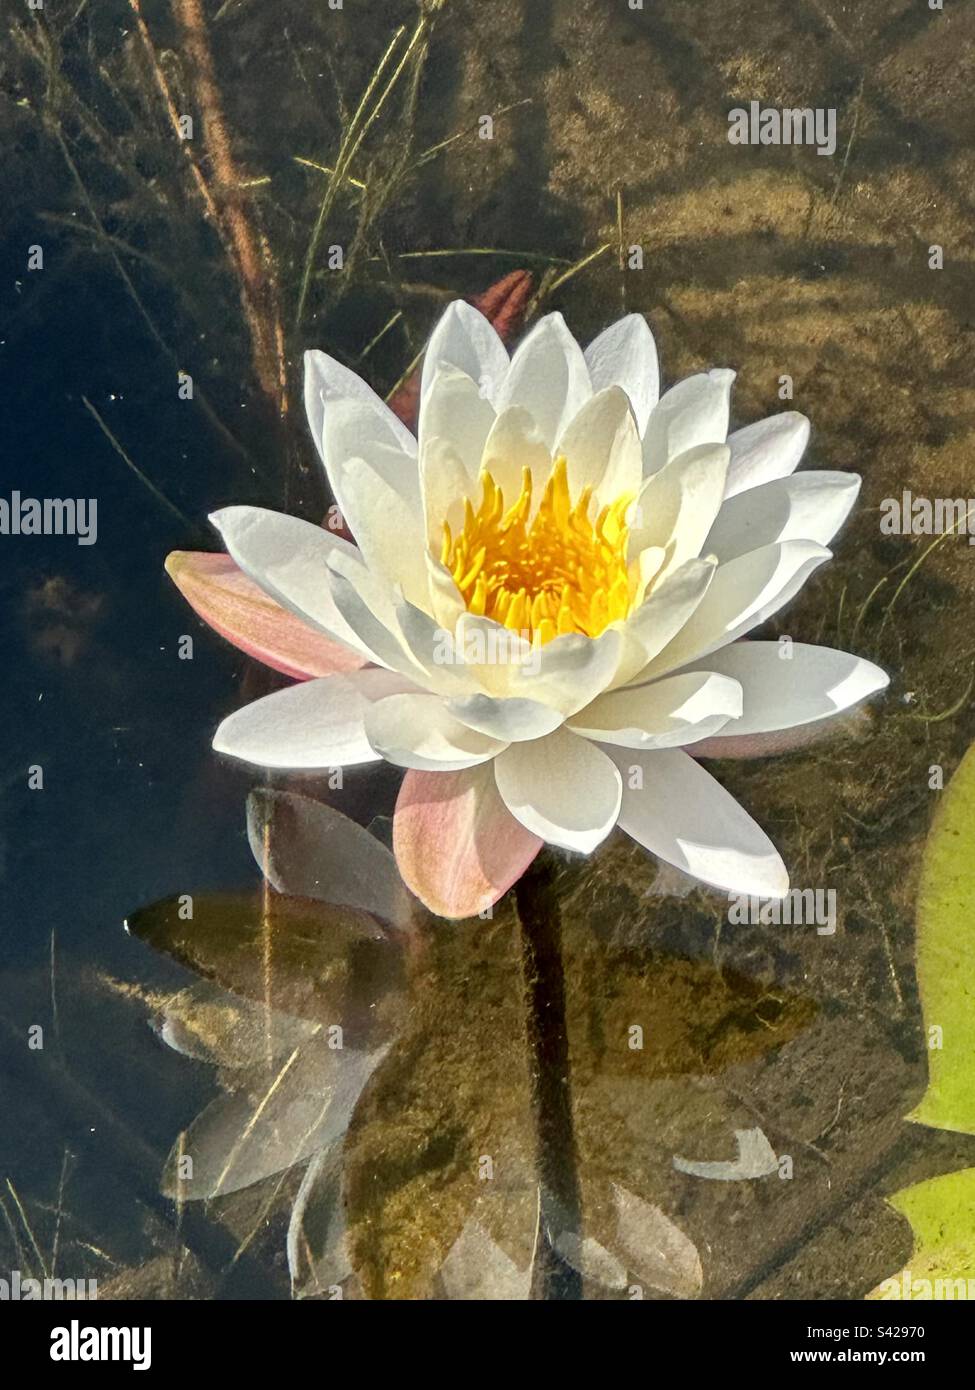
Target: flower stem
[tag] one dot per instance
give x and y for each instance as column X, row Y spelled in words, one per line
column 548, row 1041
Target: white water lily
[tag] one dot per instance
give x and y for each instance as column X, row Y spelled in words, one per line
column 539, row 618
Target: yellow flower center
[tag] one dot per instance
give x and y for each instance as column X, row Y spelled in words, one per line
column 558, row 572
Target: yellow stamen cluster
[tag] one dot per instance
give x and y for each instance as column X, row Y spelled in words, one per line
column 546, row 574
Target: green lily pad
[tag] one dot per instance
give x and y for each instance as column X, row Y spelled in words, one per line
column 946, row 957
column 942, row 1216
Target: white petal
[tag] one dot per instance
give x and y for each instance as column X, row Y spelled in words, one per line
column 677, row 505
column 569, row 671
column 786, row 686
column 561, row 788
column 453, row 409
column 693, row 412
column 327, row 380
column 688, row 819
column 626, row 355
column 464, row 339
column 649, row 629
column 352, row 430
column 386, row 525
column 418, row 731
column 315, row 724
column 289, row 559
column 765, row 450
column 602, row 447
column 808, row 506
column 365, row 602
column 511, row 720
column 515, row 443
column 548, row 376
column 445, row 485
column 743, row 593
column 669, row 713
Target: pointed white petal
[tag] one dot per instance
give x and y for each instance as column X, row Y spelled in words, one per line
column 464, row 339
column 787, row 686
column 684, row 816
column 649, row 629
column 693, row 412
column 385, row 520
column 352, row 430
column 316, row 724
column 743, row 593
column 327, row 380
column 602, row 447
column 289, row 558
column 418, row 731
column 669, row 713
column 548, row 376
column 808, row 506
column 765, row 450
column 453, row 410
column 515, row 443
column 569, row 671
column 512, row 720
column 626, row 355
column 561, row 788
column 677, row 506
column 365, row 602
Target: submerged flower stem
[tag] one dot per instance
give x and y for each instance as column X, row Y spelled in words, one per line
column 548, row 1042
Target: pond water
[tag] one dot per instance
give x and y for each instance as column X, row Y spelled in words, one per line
column 493, row 1126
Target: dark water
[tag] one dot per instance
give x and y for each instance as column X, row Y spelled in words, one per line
column 135, row 807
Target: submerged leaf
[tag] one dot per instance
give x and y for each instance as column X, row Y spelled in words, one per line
column 334, row 965
column 946, row 956
column 211, row 1025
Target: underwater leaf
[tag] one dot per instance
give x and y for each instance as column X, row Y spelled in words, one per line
column 477, row 1268
column 756, row 1159
column 942, row 1216
column 240, row 611
column 334, row 965
column 317, row 1255
column 279, row 1119
column 309, row 850
column 946, row 956
column 211, row 1025
column 657, row 1252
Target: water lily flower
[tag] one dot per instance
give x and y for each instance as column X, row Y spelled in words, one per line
column 540, row 617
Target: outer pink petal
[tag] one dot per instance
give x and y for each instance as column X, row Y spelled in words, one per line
column 233, row 605
column 457, row 845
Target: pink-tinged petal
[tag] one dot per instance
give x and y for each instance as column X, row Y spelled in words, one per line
column 457, row 845
column 233, row 605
